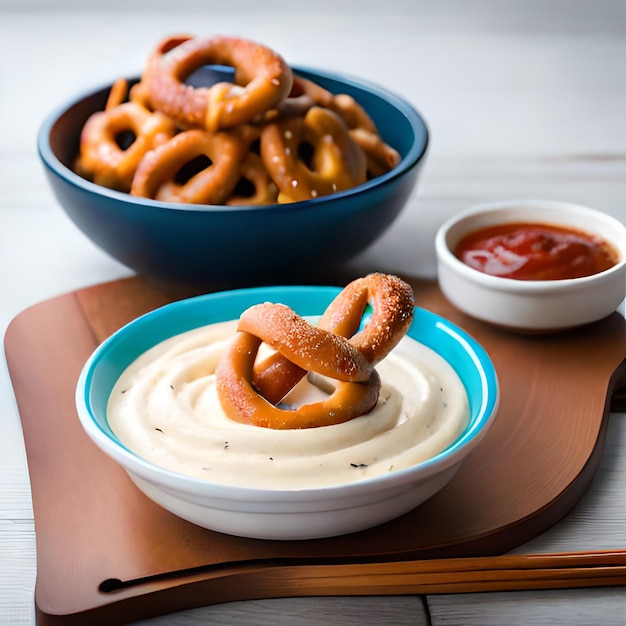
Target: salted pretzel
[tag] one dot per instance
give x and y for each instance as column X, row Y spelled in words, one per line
column 336, row 348
column 392, row 302
column 159, row 175
column 314, row 142
column 103, row 157
column 336, row 163
column 262, row 79
column 310, row 347
column 381, row 157
column 254, row 176
column 140, row 92
column 242, row 403
column 304, row 89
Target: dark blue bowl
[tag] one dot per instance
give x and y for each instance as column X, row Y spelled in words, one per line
column 201, row 244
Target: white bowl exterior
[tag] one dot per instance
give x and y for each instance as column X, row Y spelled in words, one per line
column 531, row 305
column 330, row 518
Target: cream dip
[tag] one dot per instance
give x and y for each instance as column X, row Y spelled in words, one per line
column 164, row 408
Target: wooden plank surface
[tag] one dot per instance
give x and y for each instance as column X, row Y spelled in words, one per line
column 93, row 525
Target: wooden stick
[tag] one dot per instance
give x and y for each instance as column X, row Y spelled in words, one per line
column 457, row 575
column 510, row 572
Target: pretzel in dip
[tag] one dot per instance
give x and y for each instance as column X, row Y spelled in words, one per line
column 345, row 355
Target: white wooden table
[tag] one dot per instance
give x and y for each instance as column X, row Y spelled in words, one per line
column 524, row 99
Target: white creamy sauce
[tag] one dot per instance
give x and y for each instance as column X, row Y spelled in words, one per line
column 165, row 409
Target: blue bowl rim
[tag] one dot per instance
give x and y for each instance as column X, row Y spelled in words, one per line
column 409, row 161
column 444, row 460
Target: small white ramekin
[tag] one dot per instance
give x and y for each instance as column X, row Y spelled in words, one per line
column 535, row 305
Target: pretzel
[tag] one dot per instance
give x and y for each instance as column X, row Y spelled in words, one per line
column 337, row 163
column 262, row 79
column 242, row 403
column 117, row 95
column 103, row 158
column 159, row 175
column 392, row 303
column 303, row 89
column 254, row 176
column 314, row 142
column 336, row 348
column 311, row 348
column 140, row 92
column 381, row 157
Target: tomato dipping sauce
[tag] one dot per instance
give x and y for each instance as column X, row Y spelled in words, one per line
column 533, row 251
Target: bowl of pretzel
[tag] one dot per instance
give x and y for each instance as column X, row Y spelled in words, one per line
column 221, row 162
column 290, row 412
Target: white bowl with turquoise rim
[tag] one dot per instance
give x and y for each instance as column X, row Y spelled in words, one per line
column 283, row 514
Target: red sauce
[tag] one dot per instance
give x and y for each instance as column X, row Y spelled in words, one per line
column 535, row 252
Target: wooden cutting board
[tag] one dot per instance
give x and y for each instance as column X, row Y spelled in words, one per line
column 108, row 555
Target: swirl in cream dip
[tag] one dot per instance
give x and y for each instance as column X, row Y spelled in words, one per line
column 164, row 408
